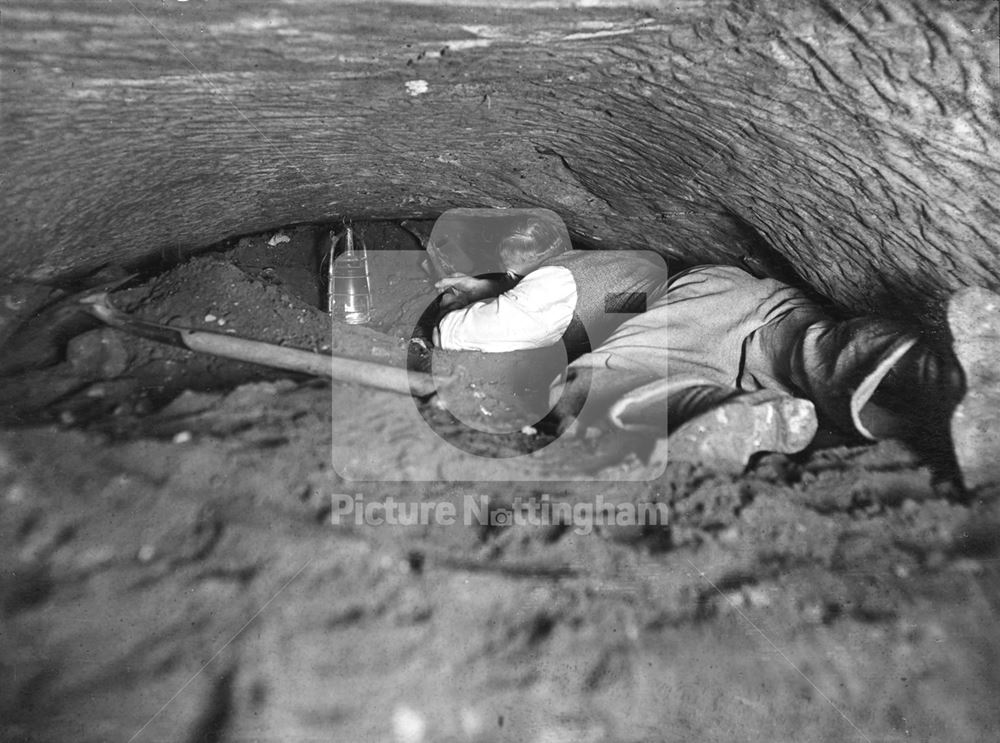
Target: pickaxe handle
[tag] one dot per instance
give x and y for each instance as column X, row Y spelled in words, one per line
column 340, row 368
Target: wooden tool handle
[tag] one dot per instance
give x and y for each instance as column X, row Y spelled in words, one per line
column 339, row 368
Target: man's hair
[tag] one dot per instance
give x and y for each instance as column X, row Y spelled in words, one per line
column 533, row 244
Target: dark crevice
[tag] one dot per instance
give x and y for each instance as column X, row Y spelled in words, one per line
column 217, row 712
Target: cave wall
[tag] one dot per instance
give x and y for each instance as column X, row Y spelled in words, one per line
column 859, row 143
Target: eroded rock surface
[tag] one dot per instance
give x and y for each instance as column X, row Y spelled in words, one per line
column 176, row 572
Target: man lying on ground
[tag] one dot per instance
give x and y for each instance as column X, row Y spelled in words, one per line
column 728, row 364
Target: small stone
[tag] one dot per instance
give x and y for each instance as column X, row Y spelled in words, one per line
column 734, row 599
column 182, row 437
column 94, row 557
column 98, row 353
column 16, row 493
column 416, row 87
column 408, row 725
column 729, row 535
column 529, row 431
column 813, row 612
column 910, row 507
column 146, row 553
column 757, row 596
column 222, row 321
column 471, row 722
column 210, row 318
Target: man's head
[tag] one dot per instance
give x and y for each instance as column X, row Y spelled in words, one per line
column 530, row 246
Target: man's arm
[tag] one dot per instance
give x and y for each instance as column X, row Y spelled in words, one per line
column 534, row 314
column 460, row 290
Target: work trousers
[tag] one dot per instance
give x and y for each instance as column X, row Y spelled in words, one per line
column 719, row 326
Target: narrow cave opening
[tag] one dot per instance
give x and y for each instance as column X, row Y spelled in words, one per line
column 63, row 366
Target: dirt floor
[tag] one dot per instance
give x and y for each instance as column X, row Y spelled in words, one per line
column 174, row 568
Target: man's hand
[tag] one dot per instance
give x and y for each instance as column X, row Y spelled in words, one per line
column 461, row 290
column 460, row 283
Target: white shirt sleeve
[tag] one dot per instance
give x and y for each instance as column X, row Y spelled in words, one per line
column 533, row 314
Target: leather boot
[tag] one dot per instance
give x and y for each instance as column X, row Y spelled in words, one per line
column 716, row 426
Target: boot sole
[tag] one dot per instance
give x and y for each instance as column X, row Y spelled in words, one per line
column 726, row 437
